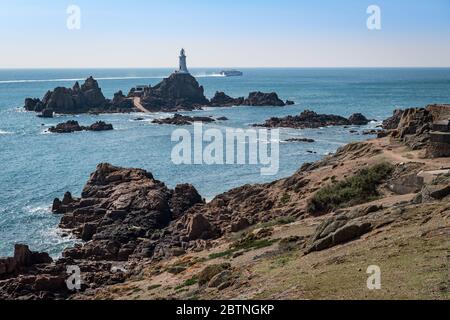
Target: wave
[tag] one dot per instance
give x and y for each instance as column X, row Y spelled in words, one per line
column 2, row 132
column 210, row 75
column 202, row 75
column 37, row 209
column 77, row 79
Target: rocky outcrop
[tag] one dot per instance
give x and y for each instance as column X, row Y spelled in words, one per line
column 220, row 99
column 122, row 102
column 357, row 119
column 46, row 113
column 178, row 92
column 393, row 122
column 73, row 126
column 180, row 120
column 122, row 212
column 423, row 128
column 439, row 145
column 310, row 119
column 100, row 126
column 260, row 99
column 22, row 260
column 87, row 98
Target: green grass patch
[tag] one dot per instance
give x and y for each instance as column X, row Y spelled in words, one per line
column 188, row 283
column 246, row 244
column 358, row 189
column 250, row 244
column 277, row 222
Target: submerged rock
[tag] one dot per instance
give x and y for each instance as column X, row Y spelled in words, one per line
column 180, row 120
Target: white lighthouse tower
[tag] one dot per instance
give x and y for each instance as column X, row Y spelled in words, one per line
column 183, row 65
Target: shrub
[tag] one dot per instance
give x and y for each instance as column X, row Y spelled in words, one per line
column 358, row 189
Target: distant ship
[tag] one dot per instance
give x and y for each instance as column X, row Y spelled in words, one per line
column 231, row 73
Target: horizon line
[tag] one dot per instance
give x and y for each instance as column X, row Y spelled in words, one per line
column 225, row 68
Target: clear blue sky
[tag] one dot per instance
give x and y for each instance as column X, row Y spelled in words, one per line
column 224, row 33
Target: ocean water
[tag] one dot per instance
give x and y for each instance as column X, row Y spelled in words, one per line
column 36, row 166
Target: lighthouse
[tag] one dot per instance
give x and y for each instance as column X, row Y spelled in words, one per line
column 183, row 65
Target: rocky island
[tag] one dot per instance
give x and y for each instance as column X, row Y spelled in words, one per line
column 73, row 126
column 179, row 92
column 385, row 198
column 181, row 120
column 87, row 98
column 220, row 99
column 310, row 119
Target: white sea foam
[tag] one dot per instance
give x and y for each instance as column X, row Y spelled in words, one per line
column 4, row 133
column 202, row 75
column 212, row 75
column 77, row 79
column 37, row 209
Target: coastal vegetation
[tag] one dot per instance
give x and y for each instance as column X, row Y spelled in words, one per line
column 358, row 189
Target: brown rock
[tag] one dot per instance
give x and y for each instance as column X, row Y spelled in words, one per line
column 199, row 228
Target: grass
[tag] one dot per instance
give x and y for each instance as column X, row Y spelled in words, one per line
column 285, row 199
column 188, row 283
column 358, row 189
column 246, row 244
column 277, row 222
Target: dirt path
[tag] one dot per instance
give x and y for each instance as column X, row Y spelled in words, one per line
column 138, row 105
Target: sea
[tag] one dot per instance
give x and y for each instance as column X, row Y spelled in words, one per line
column 37, row 166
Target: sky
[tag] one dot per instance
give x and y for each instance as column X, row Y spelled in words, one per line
column 224, row 33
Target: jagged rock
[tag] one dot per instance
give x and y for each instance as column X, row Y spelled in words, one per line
column 220, row 99
column 100, row 126
column 31, row 104
column 121, row 209
column 358, row 119
column 23, row 259
column 67, row 199
column 180, row 120
column 263, row 99
column 87, row 98
column 240, row 225
column 67, row 127
column 200, row 228
column 121, row 101
column 184, row 197
column 310, row 119
column 178, row 92
column 393, row 122
column 73, row 126
column 414, row 128
column 290, row 102
column 89, row 229
column 56, row 207
column 46, row 113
